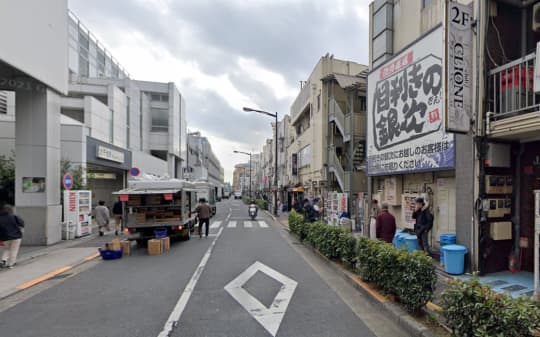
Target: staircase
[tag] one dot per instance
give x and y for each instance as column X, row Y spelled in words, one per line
column 359, row 159
column 342, row 121
column 335, row 167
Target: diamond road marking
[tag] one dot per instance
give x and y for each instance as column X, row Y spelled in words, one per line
column 248, row 224
column 263, row 224
column 270, row 318
column 232, row 224
column 215, row 224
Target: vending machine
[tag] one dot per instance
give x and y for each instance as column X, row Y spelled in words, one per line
column 536, row 239
column 78, row 211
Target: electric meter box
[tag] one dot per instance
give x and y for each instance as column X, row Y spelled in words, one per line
column 501, row 230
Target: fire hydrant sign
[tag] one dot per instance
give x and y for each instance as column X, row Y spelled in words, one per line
column 459, row 67
column 406, row 114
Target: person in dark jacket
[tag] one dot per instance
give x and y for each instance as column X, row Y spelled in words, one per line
column 423, row 224
column 308, row 211
column 203, row 212
column 385, row 224
column 117, row 212
column 11, row 232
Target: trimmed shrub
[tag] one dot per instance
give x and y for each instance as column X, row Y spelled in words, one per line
column 410, row 277
column 472, row 309
column 262, row 204
column 295, row 220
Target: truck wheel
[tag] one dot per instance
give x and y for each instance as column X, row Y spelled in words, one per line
column 187, row 235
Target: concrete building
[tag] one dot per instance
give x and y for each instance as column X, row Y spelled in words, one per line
column 313, row 115
column 90, row 113
column 409, row 151
column 241, row 178
column 202, row 163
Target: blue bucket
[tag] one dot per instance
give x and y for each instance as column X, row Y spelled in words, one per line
column 445, row 240
column 454, row 259
column 398, row 238
column 411, row 242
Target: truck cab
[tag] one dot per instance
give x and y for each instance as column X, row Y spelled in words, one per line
column 150, row 205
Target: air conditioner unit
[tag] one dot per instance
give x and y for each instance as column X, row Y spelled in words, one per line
column 536, row 18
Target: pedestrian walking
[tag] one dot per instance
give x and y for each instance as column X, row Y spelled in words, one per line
column 308, row 211
column 117, row 212
column 423, row 224
column 11, row 232
column 385, row 224
column 103, row 217
column 203, row 213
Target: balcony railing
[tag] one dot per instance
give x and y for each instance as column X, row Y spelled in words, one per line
column 513, row 106
column 301, row 101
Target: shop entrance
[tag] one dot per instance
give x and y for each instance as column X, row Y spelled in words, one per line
column 103, row 181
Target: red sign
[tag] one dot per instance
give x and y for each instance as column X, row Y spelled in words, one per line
column 124, row 197
column 168, row 196
column 434, row 116
column 72, row 201
column 397, row 65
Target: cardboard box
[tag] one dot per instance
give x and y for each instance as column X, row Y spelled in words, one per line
column 115, row 244
column 126, row 247
column 166, row 243
column 154, row 247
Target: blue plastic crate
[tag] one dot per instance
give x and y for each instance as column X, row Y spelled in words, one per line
column 160, row 233
column 108, row 254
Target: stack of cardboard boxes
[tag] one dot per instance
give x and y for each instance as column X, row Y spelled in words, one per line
column 159, row 246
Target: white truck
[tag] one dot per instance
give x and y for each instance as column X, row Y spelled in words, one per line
column 207, row 191
column 151, row 205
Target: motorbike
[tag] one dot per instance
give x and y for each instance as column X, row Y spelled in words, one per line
column 252, row 211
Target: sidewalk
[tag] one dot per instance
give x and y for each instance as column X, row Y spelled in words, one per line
column 36, row 264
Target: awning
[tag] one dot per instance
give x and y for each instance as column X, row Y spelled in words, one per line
column 148, row 191
column 298, row 189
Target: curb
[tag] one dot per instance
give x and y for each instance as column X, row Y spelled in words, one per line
column 406, row 321
column 277, row 220
column 47, row 276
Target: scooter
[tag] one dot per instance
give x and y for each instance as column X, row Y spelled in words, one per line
column 252, row 211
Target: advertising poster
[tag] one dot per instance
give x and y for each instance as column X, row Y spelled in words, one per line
column 406, row 131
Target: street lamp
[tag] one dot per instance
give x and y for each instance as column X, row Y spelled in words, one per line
column 249, row 154
column 274, row 115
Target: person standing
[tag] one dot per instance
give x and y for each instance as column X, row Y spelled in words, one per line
column 373, row 218
column 102, row 216
column 117, row 212
column 203, row 212
column 423, row 224
column 11, row 232
column 385, row 224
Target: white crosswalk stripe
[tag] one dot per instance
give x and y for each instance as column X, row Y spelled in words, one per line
column 248, row 224
column 215, row 224
column 232, row 224
column 263, row 224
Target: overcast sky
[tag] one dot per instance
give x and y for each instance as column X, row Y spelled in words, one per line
column 226, row 54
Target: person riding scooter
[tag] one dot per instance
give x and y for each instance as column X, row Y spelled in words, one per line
column 253, row 209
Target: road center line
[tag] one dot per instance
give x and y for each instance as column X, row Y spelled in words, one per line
column 180, row 306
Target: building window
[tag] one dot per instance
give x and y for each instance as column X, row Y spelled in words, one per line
column 160, row 120
column 100, row 63
column 3, row 103
column 84, row 45
column 426, row 3
column 319, row 102
column 304, row 157
column 363, row 103
column 159, row 98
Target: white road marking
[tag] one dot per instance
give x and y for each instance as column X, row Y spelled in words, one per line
column 263, row 224
column 180, row 306
column 215, row 224
column 270, row 318
column 232, row 224
column 248, row 224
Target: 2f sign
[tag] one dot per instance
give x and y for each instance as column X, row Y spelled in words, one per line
column 458, row 67
column 460, row 17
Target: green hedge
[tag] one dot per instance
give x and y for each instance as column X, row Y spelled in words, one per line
column 410, row 277
column 262, row 204
column 472, row 309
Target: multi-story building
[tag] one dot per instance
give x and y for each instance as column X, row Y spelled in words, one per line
column 413, row 146
column 202, row 163
column 325, row 134
column 241, row 178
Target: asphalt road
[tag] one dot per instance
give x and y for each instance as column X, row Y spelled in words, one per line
column 247, row 279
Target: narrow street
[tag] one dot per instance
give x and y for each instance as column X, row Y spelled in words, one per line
column 249, row 278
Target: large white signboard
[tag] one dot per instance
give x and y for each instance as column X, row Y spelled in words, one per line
column 34, row 39
column 459, row 67
column 406, row 112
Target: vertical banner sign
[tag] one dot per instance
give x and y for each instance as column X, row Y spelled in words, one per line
column 406, row 114
column 459, row 39
column 294, row 164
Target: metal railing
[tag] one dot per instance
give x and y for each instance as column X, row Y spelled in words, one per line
column 342, row 176
column 511, row 88
column 301, row 100
column 342, row 121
